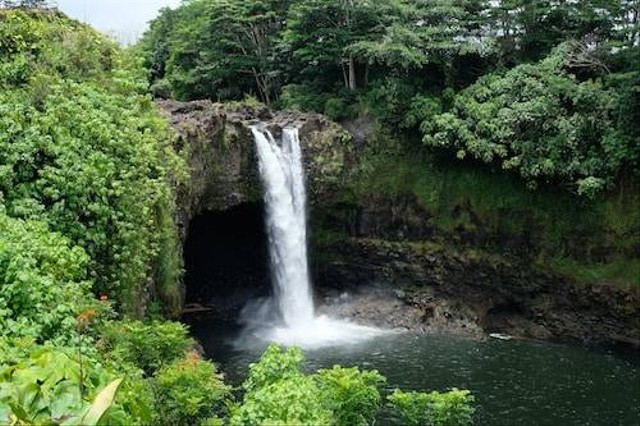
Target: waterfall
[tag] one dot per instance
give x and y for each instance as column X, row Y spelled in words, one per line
column 282, row 175
column 289, row 318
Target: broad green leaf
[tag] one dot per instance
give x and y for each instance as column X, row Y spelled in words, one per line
column 102, row 402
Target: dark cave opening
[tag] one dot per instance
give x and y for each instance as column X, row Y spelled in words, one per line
column 226, row 258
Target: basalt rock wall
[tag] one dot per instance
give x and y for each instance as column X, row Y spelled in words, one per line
column 383, row 261
column 472, row 293
column 216, row 141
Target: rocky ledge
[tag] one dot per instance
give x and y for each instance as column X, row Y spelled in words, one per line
column 434, row 288
column 215, row 139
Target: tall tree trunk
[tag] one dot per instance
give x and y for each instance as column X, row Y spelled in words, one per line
column 262, row 82
column 351, row 71
column 345, row 73
column 352, row 74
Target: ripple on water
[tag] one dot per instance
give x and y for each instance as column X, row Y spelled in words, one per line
column 514, row 382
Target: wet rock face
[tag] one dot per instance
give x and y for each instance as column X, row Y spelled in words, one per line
column 382, row 305
column 222, row 171
column 217, row 144
column 435, row 289
column 402, row 219
column 216, row 141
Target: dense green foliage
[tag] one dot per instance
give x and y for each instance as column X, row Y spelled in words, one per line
column 148, row 346
column 233, row 51
column 58, row 385
column 352, row 395
column 544, row 123
column 555, row 117
column 188, row 391
column 433, row 409
column 84, row 150
column 87, row 172
column 49, row 387
column 42, row 384
column 277, row 392
column 44, row 281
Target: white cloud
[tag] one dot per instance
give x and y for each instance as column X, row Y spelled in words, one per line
column 125, row 20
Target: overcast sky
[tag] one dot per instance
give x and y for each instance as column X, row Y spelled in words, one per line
column 125, row 20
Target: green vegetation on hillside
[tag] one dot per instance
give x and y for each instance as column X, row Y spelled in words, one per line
column 83, row 149
column 546, row 89
column 88, row 241
column 591, row 241
column 87, row 171
column 542, row 122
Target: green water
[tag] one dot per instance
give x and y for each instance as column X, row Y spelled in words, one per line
column 514, row 382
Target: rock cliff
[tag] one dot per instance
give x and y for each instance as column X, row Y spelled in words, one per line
column 381, row 260
column 215, row 140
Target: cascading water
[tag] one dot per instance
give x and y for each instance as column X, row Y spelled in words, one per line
column 283, row 180
column 294, row 322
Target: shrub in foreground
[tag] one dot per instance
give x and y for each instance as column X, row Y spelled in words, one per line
column 188, row 391
column 148, row 346
column 279, row 393
column 351, row 394
column 453, row 408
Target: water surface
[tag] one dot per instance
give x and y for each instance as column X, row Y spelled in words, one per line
column 514, row 382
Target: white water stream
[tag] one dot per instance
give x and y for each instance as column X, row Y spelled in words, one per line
column 285, row 200
column 294, row 322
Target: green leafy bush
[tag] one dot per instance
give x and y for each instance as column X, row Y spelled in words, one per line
column 352, row 395
column 83, row 149
column 53, row 44
column 147, row 346
column 55, row 386
column 453, row 408
column 290, row 401
column 302, row 97
column 274, row 365
column 43, row 282
column 94, row 166
column 188, row 391
column 421, row 108
column 338, row 108
column 543, row 123
column 278, row 393
column 42, row 388
column 389, row 99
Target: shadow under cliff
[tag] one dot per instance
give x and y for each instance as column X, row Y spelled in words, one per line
column 226, row 258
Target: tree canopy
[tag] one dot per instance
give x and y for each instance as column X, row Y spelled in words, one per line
column 548, row 89
column 541, row 121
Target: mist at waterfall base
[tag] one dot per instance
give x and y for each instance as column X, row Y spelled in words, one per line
column 289, row 317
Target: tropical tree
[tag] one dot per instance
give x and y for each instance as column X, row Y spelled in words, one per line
column 320, row 35
column 217, row 48
column 540, row 121
column 433, row 32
